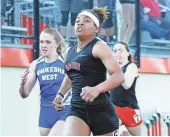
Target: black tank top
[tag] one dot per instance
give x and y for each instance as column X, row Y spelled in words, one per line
column 125, row 97
column 85, row 70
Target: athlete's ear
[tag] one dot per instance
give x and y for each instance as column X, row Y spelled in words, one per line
column 97, row 30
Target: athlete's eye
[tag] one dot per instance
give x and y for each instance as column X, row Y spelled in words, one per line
column 87, row 20
column 120, row 50
column 116, row 50
column 77, row 21
column 48, row 42
column 41, row 41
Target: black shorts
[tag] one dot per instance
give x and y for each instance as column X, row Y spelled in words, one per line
column 100, row 120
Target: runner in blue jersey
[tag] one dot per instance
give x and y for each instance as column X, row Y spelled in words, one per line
column 49, row 70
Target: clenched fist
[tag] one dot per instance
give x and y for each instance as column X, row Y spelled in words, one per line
column 89, row 94
column 57, row 102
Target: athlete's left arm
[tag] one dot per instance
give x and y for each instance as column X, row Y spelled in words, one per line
column 130, row 75
column 103, row 52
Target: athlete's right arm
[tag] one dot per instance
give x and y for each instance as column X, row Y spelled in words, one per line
column 65, row 86
column 28, row 80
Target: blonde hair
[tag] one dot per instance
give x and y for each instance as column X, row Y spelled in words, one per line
column 58, row 39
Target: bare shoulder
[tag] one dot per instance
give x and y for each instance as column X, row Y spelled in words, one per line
column 34, row 63
column 132, row 66
column 133, row 69
column 101, row 44
column 39, row 60
column 101, row 48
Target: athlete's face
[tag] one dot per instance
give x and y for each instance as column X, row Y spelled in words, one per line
column 120, row 53
column 48, row 45
column 85, row 27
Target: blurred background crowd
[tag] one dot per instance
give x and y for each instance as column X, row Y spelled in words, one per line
column 121, row 25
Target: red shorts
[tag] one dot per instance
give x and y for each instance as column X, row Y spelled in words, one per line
column 129, row 117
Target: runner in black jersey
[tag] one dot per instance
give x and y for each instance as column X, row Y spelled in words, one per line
column 86, row 66
column 123, row 96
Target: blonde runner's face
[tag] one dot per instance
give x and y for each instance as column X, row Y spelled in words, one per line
column 48, row 45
